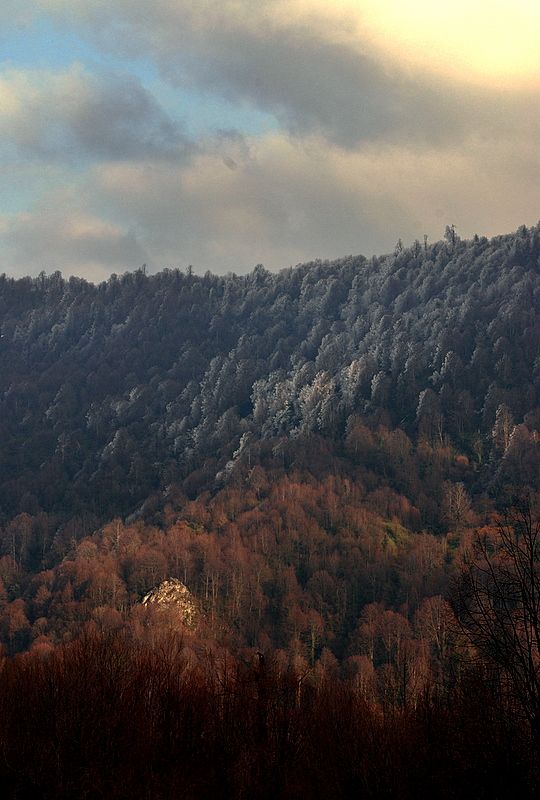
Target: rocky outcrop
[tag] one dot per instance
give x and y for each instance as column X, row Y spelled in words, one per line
column 173, row 595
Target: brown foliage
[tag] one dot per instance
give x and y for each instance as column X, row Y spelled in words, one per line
column 107, row 717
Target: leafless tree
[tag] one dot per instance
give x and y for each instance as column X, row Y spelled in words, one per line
column 497, row 602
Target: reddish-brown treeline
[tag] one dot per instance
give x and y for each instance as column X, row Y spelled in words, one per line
column 322, row 563
column 299, row 565
column 326, row 570
column 106, row 716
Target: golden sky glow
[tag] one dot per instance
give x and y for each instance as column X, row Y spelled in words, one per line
column 494, row 41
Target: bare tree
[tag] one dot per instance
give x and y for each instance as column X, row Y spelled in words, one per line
column 497, row 602
column 456, row 504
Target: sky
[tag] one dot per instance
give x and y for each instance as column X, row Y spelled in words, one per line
column 226, row 133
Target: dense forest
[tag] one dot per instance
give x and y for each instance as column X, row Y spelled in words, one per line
column 110, row 393
column 336, row 461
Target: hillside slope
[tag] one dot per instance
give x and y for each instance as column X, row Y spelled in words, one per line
column 110, row 393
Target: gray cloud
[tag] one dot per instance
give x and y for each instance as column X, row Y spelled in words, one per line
column 314, row 79
column 61, row 234
column 367, row 152
column 16, row 13
column 288, row 202
column 74, row 115
column 285, row 202
column 316, row 86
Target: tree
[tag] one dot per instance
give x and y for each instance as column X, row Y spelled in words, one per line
column 496, row 599
column 502, row 429
column 435, row 625
column 429, row 416
column 456, row 504
column 451, row 236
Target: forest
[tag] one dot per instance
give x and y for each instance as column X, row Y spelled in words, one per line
column 340, row 465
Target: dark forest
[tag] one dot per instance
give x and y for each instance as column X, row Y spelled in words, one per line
column 336, row 467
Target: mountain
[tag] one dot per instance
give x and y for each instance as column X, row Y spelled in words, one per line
column 111, row 393
column 397, row 395
column 248, row 520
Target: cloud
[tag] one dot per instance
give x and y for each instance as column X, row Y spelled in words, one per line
column 318, row 67
column 369, row 149
column 16, row 13
column 487, row 43
column 281, row 204
column 74, row 115
column 59, row 234
column 286, row 201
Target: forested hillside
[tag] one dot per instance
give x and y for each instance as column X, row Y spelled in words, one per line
column 293, row 446
column 338, row 467
column 111, row 393
column 411, row 379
